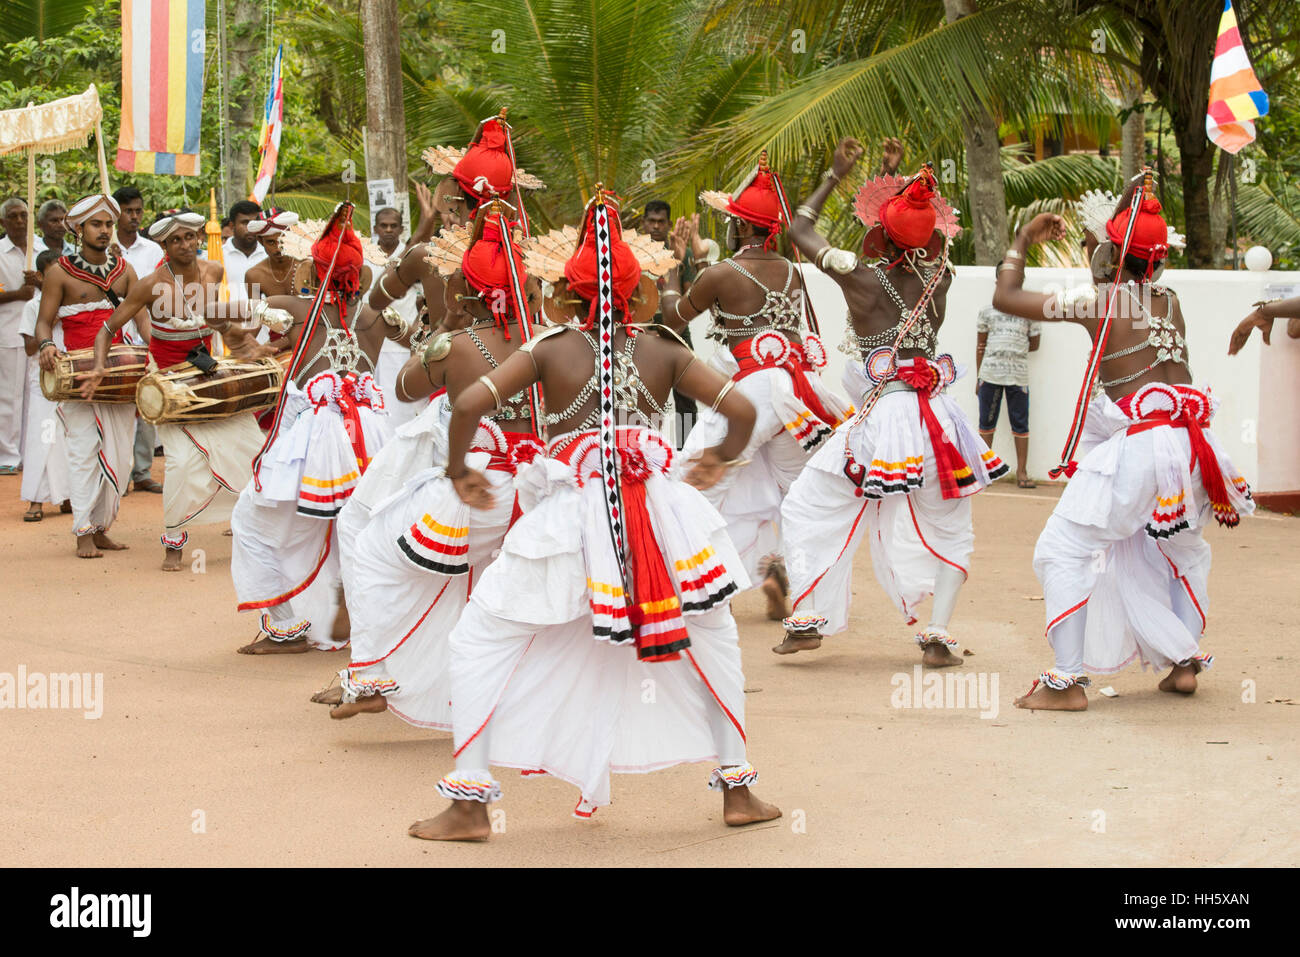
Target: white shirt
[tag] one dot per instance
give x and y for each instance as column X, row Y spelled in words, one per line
column 143, row 255
column 39, row 246
column 405, row 306
column 238, row 265
column 13, row 261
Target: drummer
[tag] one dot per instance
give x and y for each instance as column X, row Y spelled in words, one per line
column 79, row 294
column 207, row 462
column 273, row 276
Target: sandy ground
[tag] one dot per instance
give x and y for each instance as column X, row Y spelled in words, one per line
column 205, row 757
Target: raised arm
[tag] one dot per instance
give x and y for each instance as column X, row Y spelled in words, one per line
column 803, row 228
column 1010, row 297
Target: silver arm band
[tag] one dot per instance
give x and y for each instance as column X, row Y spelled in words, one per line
column 722, row 394
column 493, row 389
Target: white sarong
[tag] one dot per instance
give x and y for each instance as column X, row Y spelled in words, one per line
column 285, row 539
column 100, row 437
column 532, row 652
column 785, row 437
column 1124, row 546
column 207, row 466
column 45, row 456
column 895, row 500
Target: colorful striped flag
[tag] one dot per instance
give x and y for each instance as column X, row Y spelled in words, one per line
column 1236, row 97
column 272, row 124
column 162, row 86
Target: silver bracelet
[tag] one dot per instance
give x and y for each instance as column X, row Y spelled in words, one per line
column 1002, row 266
column 722, row 394
column 1013, row 253
column 807, row 212
column 830, row 175
column 493, row 389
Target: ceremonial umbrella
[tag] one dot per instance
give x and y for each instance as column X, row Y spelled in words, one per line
column 52, row 128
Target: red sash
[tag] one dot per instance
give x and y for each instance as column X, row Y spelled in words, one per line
column 80, row 328
column 521, row 448
column 795, row 363
column 955, row 477
column 1193, row 420
column 650, row 603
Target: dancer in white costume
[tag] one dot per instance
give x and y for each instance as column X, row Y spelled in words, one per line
column 207, row 463
column 549, row 658
column 45, row 457
column 901, row 473
column 79, row 294
column 411, row 550
column 1123, row 561
column 329, row 423
column 758, row 301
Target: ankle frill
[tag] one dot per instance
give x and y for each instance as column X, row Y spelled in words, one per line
column 739, row 776
column 476, row 785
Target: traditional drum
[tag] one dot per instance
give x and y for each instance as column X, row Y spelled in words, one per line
column 126, row 367
column 183, row 393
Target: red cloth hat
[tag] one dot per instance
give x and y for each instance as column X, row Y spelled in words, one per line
column 486, row 168
column 485, row 264
column 758, row 201
column 581, row 269
column 1150, row 240
column 909, row 218
column 346, row 279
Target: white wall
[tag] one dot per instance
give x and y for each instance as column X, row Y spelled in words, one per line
column 1213, row 301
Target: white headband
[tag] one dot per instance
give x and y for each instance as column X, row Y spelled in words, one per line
column 168, row 224
column 86, row 207
column 274, row 224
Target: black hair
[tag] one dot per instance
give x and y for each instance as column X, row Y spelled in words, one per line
column 388, row 209
column 45, row 257
column 245, row 207
column 1137, row 266
column 656, row 206
column 125, row 194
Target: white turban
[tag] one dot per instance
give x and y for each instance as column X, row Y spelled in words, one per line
column 86, row 207
column 272, row 222
column 172, row 220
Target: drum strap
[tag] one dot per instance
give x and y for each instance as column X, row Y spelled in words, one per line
column 201, row 358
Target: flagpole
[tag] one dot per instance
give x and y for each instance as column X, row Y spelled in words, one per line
column 1232, row 200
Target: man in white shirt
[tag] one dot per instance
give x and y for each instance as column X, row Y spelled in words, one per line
column 241, row 252
column 143, row 255
column 386, row 227
column 51, row 229
column 17, row 287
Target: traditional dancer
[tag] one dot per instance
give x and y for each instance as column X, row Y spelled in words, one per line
column 45, row 459
column 411, row 550
column 901, row 472
column 329, row 422
column 207, row 462
column 567, row 629
column 1123, row 561
column 80, row 294
column 758, row 299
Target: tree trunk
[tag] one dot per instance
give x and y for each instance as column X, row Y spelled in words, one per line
column 1133, row 134
column 988, row 198
column 385, row 111
column 246, row 81
column 1197, row 166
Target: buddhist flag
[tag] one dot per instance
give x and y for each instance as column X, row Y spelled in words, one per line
column 162, row 86
column 272, row 124
column 1236, row 97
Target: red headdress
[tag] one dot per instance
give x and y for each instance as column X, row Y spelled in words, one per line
column 487, row 168
column 1150, row 238
column 494, row 266
column 758, row 200
column 345, row 280
column 909, row 212
column 582, row 270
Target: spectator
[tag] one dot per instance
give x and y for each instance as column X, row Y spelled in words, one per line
column 51, row 228
column 45, row 461
column 241, row 251
column 17, row 287
column 1002, row 348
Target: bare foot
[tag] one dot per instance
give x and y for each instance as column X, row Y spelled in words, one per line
column 1180, row 680
column 798, row 641
column 463, row 821
column 172, row 559
column 65, row 507
column 107, row 544
column 228, row 533
column 938, row 655
column 266, row 646
column 86, row 547
column 741, row 807
column 370, row 704
column 778, row 605
column 331, row 695
column 342, row 630
column 1044, row 698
